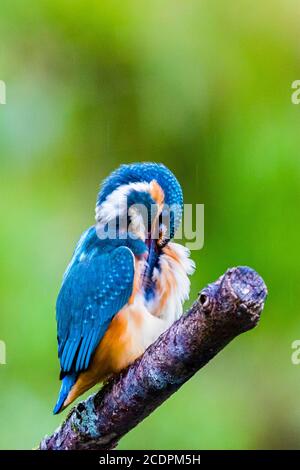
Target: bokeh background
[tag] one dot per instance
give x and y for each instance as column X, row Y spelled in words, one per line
column 204, row 87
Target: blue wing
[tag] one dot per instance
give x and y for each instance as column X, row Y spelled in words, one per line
column 93, row 291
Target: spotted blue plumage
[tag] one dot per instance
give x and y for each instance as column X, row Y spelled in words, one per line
column 96, row 286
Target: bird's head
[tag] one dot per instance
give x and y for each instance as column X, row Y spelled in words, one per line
column 143, row 200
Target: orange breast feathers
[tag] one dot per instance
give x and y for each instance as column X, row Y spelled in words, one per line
column 140, row 322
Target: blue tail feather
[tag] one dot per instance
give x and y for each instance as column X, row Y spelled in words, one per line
column 67, row 383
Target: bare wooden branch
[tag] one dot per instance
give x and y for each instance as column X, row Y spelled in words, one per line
column 223, row 310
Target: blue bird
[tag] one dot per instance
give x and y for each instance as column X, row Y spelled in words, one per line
column 126, row 282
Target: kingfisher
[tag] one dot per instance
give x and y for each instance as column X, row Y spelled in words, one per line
column 127, row 280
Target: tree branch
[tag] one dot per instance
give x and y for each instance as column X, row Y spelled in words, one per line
column 223, row 310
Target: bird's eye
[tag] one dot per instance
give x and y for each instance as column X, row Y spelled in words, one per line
column 242, row 309
column 204, row 300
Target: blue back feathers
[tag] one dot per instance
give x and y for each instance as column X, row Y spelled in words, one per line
column 97, row 285
column 67, row 384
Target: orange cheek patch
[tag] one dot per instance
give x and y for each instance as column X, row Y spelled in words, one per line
column 157, row 193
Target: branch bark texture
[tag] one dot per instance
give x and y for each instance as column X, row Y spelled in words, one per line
column 223, row 310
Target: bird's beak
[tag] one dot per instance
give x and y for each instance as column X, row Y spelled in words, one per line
column 151, row 259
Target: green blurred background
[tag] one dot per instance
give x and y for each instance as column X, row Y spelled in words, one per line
column 204, row 87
